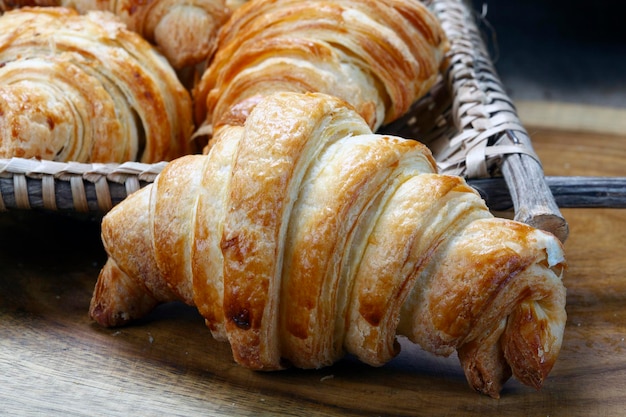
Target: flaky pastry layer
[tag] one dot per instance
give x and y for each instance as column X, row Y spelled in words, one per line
column 302, row 236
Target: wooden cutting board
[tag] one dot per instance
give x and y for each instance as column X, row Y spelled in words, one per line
column 55, row 361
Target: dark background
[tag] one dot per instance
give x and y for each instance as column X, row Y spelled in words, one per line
column 571, row 51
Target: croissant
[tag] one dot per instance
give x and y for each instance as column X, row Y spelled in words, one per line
column 83, row 88
column 302, row 236
column 378, row 55
column 184, row 30
column 235, row 4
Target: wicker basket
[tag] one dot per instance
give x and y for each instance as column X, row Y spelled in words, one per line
column 467, row 120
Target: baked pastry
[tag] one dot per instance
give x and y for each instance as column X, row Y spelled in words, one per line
column 302, row 235
column 183, row 30
column 378, row 55
column 235, row 4
column 84, row 88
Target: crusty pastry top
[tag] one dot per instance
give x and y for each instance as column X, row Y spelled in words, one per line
column 84, row 88
column 301, row 236
column 378, row 55
column 185, row 31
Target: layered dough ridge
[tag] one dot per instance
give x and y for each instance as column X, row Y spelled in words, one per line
column 302, row 236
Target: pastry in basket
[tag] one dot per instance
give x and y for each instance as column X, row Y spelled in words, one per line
column 302, row 236
column 378, row 55
column 183, row 30
column 84, row 88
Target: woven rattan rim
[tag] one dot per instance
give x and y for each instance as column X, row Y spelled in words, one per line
column 30, row 183
column 473, row 130
column 480, row 125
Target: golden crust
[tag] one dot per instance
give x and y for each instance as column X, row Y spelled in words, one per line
column 207, row 256
column 301, row 236
column 172, row 205
column 130, row 284
column 185, row 31
column 353, row 180
column 380, row 56
column 93, row 91
column 420, row 213
column 262, row 198
column 471, row 295
column 33, row 127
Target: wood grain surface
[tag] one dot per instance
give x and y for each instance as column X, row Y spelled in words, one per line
column 55, row 361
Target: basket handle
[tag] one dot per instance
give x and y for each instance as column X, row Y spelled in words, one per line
column 70, row 186
column 93, row 190
column 489, row 126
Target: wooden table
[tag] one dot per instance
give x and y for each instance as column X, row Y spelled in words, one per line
column 54, row 360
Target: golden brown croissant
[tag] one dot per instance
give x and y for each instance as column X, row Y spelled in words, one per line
column 302, row 235
column 378, row 55
column 83, row 88
column 184, row 30
column 235, row 4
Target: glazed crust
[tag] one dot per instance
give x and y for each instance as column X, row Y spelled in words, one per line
column 84, row 88
column 302, row 236
column 185, row 31
column 379, row 56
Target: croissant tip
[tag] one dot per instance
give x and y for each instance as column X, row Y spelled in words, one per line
column 533, row 379
column 493, row 394
column 101, row 313
column 489, row 388
column 100, row 316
